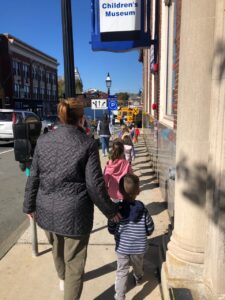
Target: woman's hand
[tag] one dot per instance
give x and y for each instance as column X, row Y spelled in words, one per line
column 30, row 216
column 116, row 218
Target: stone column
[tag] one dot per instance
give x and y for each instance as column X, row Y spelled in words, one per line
column 185, row 255
column 215, row 248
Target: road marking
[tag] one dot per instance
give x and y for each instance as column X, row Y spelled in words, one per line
column 6, row 151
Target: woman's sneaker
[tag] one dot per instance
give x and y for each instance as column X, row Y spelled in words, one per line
column 61, row 285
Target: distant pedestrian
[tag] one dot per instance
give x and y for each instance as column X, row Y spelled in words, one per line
column 115, row 169
column 128, row 148
column 130, row 235
column 104, row 131
column 64, row 184
column 136, row 134
column 131, row 129
column 123, row 131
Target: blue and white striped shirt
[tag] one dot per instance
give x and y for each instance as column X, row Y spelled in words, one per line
column 132, row 231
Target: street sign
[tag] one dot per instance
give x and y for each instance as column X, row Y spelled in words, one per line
column 99, row 104
column 113, row 97
column 135, row 111
column 112, row 104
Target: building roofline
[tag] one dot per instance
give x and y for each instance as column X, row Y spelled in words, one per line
column 10, row 36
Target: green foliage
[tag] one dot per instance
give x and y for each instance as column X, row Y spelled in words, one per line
column 79, row 86
column 123, row 98
column 61, row 87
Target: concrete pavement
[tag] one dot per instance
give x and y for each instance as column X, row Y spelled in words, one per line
column 23, row 277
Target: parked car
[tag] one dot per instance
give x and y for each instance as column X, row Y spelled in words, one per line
column 8, row 117
column 49, row 123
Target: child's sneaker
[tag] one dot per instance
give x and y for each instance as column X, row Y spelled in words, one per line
column 137, row 280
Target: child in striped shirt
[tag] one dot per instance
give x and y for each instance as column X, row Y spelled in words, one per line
column 130, row 235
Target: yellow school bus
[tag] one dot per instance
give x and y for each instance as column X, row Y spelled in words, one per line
column 125, row 113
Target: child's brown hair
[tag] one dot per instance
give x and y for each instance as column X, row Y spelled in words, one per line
column 117, row 149
column 129, row 186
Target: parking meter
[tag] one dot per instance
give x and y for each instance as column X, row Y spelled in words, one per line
column 26, row 133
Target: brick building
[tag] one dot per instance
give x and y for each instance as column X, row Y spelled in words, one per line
column 28, row 77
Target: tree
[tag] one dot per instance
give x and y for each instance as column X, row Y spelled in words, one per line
column 79, row 86
column 61, row 88
column 122, row 98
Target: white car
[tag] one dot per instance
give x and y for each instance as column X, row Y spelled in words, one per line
column 10, row 116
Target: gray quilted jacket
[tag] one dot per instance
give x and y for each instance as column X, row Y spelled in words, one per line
column 65, row 182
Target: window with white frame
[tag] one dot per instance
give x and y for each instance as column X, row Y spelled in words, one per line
column 26, row 91
column 168, row 60
column 16, row 90
column 35, row 92
column 26, row 71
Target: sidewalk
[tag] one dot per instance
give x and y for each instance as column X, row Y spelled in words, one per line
column 23, row 277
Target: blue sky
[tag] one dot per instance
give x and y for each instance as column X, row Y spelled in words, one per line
column 38, row 23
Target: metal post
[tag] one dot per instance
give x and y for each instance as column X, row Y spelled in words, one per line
column 108, row 104
column 33, row 227
column 67, row 31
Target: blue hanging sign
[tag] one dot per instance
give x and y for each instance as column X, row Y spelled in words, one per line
column 120, row 25
column 112, row 102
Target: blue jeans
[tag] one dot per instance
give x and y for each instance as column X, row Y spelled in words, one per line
column 105, row 144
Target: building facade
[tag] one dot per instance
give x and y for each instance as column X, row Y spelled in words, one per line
column 28, row 77
column 184, row 109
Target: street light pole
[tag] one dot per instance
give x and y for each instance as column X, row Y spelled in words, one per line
column 108, row 82
column 67, row 31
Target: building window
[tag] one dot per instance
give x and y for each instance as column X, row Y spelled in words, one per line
column 35, row 72
column 42, row 93
column 47, row 77
column 26, row 91
column 16, row 90
column 48, row 94
column 54, row 94
column 168, row 60
column 35, row 92
column 53, row 78
column 16, row 68
column 42, row 75
column 26, row 70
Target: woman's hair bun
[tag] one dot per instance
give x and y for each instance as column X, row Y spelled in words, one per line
column 70, row 111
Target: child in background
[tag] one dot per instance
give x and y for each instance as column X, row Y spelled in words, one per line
column 136, row 134
column 130, row 235
column 124, row 130
column 115, row 169
column 128, row 148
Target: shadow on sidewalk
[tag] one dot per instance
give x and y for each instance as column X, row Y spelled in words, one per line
column 98, row 229
column 45, row 251
column 149, row 186
column 143, row 163
column 156, row 208
column 111, row 267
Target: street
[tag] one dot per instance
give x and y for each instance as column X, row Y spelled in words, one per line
column 12, row 220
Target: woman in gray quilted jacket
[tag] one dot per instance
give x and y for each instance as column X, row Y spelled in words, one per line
column 64, row 184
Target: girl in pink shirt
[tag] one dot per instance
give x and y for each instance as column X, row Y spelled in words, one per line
column 116, row 168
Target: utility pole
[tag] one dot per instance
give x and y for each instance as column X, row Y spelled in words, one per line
column 67, row 32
